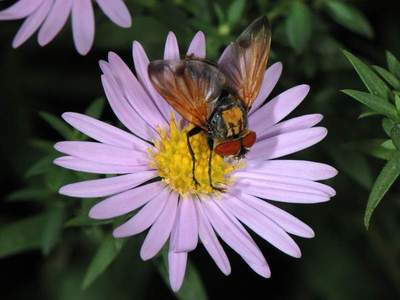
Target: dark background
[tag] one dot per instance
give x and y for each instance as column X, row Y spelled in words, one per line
column 343, row 261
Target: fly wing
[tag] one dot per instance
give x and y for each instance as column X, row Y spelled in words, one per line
column 191, row 87
column 244, row 61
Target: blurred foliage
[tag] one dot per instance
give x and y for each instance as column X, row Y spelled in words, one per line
column 379, row 100
column 49, row 248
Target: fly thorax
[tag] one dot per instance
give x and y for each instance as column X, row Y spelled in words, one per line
column 228, row 119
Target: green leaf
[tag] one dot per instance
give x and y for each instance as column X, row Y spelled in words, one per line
column 58, row 124
column 395, row 135
column 397, row 101
column 22, row 235
column 235, row 11
column 96, row 108
column 42, row 145
column 388, row 144
column 374, row 84
column 29, row 194
column 387, row 125
column 367, row 113
column 389, row 77
column 354, row 165
column 383, row 182
column 219, row 13
column 393, row 64
column 349, row 17
column 192, row 287
column 52, row 228
column 41, row 166
column 375, row 103
column 373, row 147
column 299, row 26
column 107, row 252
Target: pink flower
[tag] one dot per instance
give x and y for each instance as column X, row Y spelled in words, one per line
column 51, row 15
column 155, row 177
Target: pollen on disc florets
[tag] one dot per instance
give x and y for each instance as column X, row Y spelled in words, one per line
column 171, row 157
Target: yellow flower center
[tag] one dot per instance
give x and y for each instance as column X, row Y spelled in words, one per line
column 171, row 157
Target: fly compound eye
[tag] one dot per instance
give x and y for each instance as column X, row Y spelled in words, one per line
column 228, row 148
column 249, row 139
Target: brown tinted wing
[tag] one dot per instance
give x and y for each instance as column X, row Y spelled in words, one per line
column 244, row 61
column 191, row 87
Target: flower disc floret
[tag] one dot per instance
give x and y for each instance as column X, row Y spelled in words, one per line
column 171, row 157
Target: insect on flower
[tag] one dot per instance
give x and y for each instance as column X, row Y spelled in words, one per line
column 216, row 97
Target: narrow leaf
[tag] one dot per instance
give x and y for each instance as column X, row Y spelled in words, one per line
column 389, row 77
column 235, row 11
column 354, row 165
column 393, row 64
column 373, row 147
column 22, row 235
column 41, row 166
column 57, row 124
column 299, row 26
column 107, row 252
column 96, row 108
column 371, row 80
column 375, row 103
column 349, row 17
column 29, row 194
column 53, row 228
column 383, row 182
column 367, row 113
column 395, row 135
column 397, row 101
column 387, row 125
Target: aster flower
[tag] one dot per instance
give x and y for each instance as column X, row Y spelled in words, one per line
column 51, row 15
column 154, row 170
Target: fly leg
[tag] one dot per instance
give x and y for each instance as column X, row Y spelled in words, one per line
column 193, row 132
column 210, row 142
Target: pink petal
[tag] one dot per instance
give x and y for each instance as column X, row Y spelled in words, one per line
column 287, row 183
column 260, row 268
column 232, row 234
column 32, row 23
column 303, row 122
column 83, row 25
column 141, row 63
column 124, row 111
column 197, row 46
column 106, row 186
column 145, row 217
column 102, row 153
column 171, row 50
column 126, row 202
column 271, row 77
column 261, row 225
column 278, row 108
column 293, row 168
column 117, row 11
column 187, row 232
column 104, row 132
column 287, row 143
column 55, row 21
column 285, row 220
column 160, row 230
column 21, row 9
column 134, row 92
column 210, row 241
column 176, row 269
column 261, row 189
column 82, row 165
